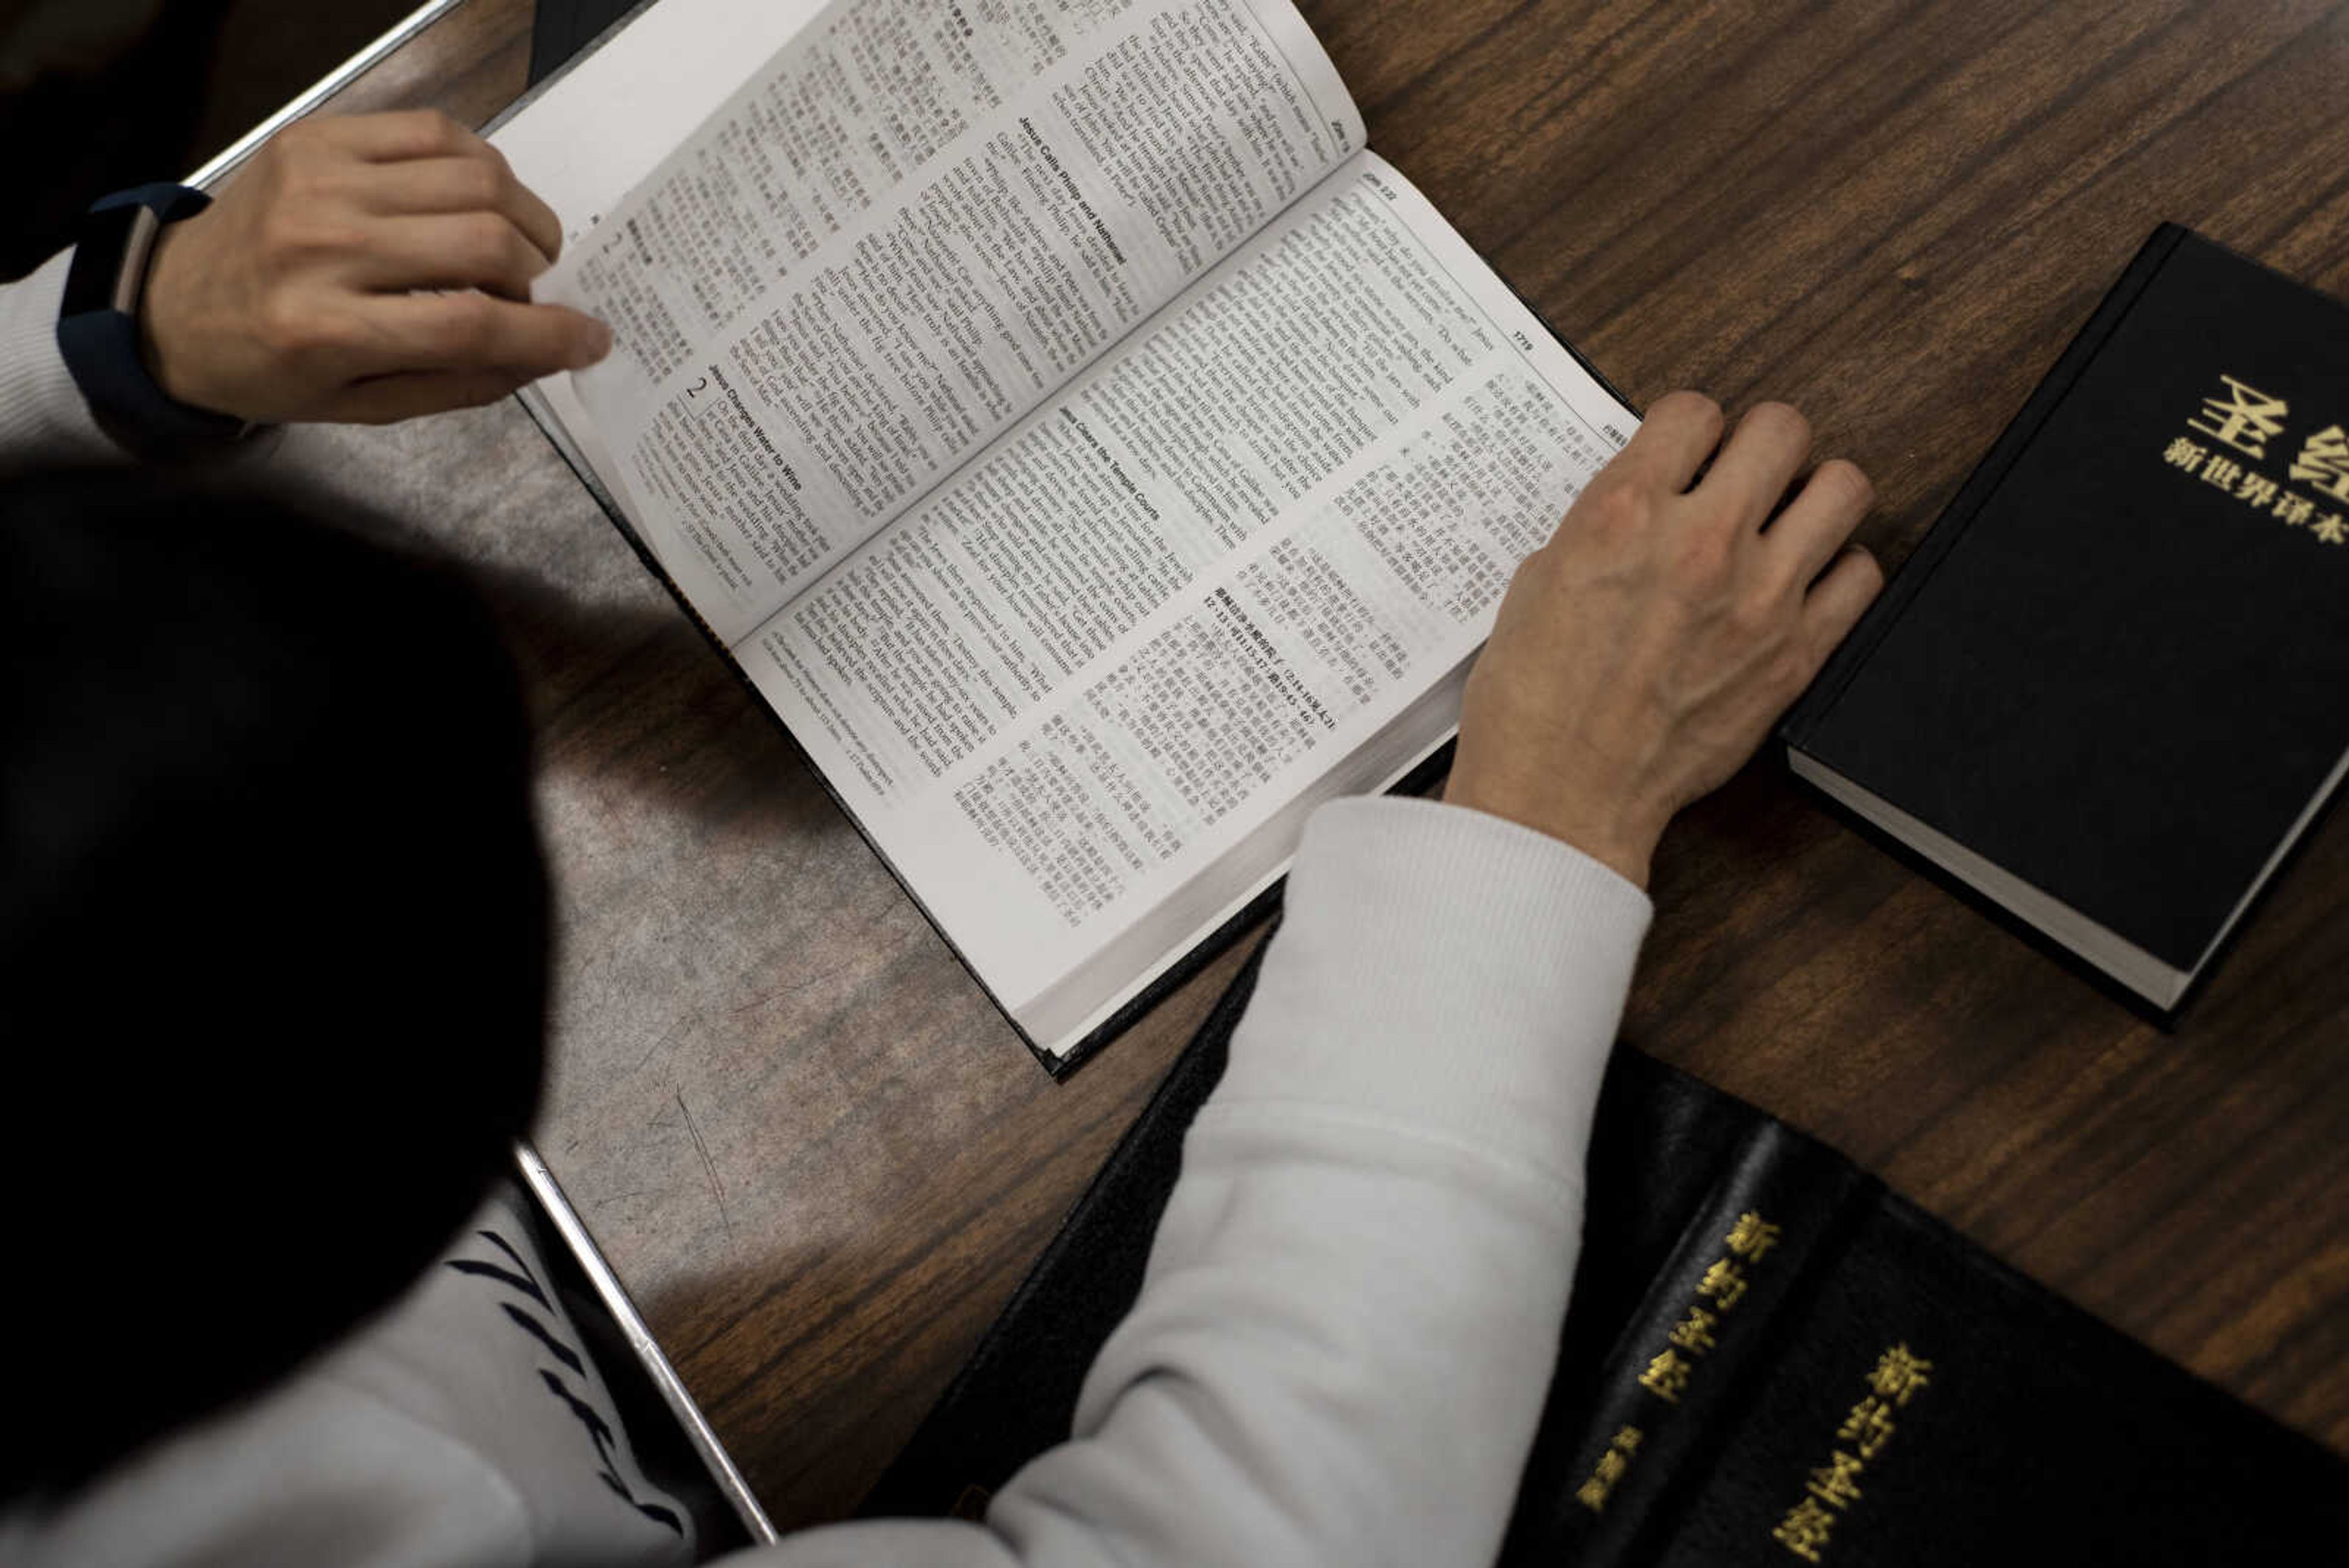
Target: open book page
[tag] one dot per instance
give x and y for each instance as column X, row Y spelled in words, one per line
column 914, row 223
column 595, row 132
column 1081, row 694
column 586, row 138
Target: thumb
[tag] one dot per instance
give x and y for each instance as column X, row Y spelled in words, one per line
column 471, row 331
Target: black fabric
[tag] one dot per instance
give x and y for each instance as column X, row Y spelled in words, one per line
column 2036, row 1434
column 2116, row 679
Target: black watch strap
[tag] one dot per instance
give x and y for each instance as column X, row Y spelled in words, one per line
column 98, row 327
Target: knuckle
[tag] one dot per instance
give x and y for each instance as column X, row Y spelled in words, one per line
column 290, row 236
column 278, row 235
column 299, row 140
column 487, row 242
column 291, row 331
column 301, row 165
column 282, row 333
column 1756, row 616
column 1703, row 560
column 482, row 184
column 524, row 261
column 1616, row 511
column 305, row 186
column 325, row 185
column 281, row 235
column 434, row 132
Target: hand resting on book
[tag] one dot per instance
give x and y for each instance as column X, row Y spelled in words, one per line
column 366, row 268
column 1643, row 653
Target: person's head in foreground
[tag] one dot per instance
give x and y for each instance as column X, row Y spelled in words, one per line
column 273, row 947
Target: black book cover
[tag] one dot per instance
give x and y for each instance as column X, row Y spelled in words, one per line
column 561, row 30
column 2114, row 668
column 1768, row 1358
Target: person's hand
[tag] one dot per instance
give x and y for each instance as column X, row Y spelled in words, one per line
column 1642, row 654
column 366, row 268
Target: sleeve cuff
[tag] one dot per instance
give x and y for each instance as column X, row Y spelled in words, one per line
column 1445, row 970
column 43, row 419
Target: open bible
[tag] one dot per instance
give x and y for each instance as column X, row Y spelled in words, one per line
column 1094, row 455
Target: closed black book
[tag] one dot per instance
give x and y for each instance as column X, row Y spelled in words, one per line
column 561, row 30
column 1768, row 1358
column 2110, row 690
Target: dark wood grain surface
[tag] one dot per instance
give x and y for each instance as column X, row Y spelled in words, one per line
column 469, row 64
column 821, row 1161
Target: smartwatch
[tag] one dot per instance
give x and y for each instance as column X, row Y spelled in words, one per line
column 98, row 327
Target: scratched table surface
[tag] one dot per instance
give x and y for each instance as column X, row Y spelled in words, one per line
column 820, row 1160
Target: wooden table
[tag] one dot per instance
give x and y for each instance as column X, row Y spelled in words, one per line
column 820, row 1160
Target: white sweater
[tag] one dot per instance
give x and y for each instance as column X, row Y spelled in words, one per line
column 1339, row 1351
column 42, row 417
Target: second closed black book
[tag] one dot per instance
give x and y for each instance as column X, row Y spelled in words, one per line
column 2110, row 691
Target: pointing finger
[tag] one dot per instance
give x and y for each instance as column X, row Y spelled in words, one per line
column 476, row 332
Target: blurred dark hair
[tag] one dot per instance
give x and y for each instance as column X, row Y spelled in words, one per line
column 128, row 76
column 273, row 947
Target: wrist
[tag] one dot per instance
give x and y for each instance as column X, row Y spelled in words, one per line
column 156, row 306
column 160, row 335
column 104, row 339
column 1617, row 835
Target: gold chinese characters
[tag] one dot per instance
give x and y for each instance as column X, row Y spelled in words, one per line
column 2243, row 419
column 1609, row 1468
column 1697, row 1332
column 1901, row 1373
column 1724, row 1286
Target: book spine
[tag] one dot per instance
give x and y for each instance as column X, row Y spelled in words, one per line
column 1811, row 709
column 1676, row 1377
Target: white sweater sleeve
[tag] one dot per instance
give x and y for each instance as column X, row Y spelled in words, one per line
column 1337, row 1357
column 1352, row 1310
column 43, row 419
